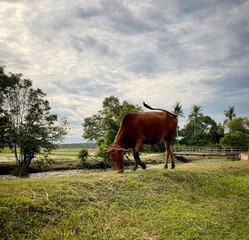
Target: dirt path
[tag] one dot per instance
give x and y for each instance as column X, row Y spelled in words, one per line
column 51, row 174
column 67, row 172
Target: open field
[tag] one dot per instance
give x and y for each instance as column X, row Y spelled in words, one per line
column 59, row 154
column 70, row 155
column 67, row 158
column 63, row 158
column 199, row 200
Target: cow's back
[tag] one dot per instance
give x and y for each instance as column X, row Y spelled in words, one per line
column 150, row 127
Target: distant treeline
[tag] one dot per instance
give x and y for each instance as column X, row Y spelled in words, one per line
column 78, row 145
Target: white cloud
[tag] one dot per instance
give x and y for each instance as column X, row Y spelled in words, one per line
column 80, row 52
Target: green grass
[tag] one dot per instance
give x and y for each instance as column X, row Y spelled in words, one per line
column 194, row 201
column 58, row 154
column 67, row 158
column 61, row 159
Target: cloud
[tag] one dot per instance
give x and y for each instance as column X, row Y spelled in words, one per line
column 232, row 87
column 80, row 52
column 90, row 43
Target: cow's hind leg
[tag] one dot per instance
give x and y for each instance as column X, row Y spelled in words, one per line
column 166, row 155
column 169, row 152
column 166, row 158
column 172, row 157
column 137, row 159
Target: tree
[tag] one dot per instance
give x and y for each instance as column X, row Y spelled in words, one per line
column 4, row 120
column 178, row 109
column 206, row 132
column 194, row 115
column 217, row 133
column 30, row 126
column 238, row 134
column 230, row 113
column 179, row 112
column 92, row 127
column 103, row 126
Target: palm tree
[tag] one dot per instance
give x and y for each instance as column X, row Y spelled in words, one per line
column 179, row 112
column 195, row 114
column 230, row 113
column 178, row 109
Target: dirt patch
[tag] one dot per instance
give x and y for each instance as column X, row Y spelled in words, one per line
column 52, row 173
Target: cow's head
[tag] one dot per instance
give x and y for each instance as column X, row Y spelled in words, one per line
column 117, row 156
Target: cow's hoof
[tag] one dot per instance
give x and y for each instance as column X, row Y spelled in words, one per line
column 120, row 171
column 173, row 166
column 165, row 166
column 143, row 165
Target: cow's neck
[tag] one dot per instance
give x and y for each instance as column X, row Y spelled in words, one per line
column 119, row 141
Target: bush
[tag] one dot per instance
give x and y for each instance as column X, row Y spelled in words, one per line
column 20, row 171
column 83, row 154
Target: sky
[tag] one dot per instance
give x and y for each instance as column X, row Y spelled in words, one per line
column 157, row 51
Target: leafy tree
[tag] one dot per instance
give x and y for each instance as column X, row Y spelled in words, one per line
column 103, row 126
column 179, row 112
column 217, row 133
column 195, row 115
column 30, row 127
column 201, row 138
column 238, row 135
column 93, row 127
column 205, row 123
column 206, row 132
column 5, row 124
column 240, row 124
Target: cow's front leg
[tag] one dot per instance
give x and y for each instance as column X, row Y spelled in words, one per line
column 137, row 159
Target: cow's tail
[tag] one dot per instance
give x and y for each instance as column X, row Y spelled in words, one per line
column 149, row 107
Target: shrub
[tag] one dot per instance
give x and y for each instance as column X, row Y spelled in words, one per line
column 20, row 171
column 83, row 154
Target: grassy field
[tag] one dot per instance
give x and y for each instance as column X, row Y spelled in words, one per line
column 63, row 158
column 201, row 200
column 67, row 158
column 61, row 154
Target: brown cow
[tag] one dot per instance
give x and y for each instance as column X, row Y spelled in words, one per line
column 143, row 128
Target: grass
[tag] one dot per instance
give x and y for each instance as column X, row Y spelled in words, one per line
column 62, row 154
column 63, row 158
column 67, row 158
column 194, row 201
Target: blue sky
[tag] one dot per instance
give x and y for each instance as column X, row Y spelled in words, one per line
column 160, row 52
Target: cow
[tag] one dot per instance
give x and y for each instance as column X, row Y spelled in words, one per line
column 140, row 128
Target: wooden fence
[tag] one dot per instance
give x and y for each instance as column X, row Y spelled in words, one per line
column 234, row 153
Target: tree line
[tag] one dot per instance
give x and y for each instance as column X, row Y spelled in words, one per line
column 200, row 130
